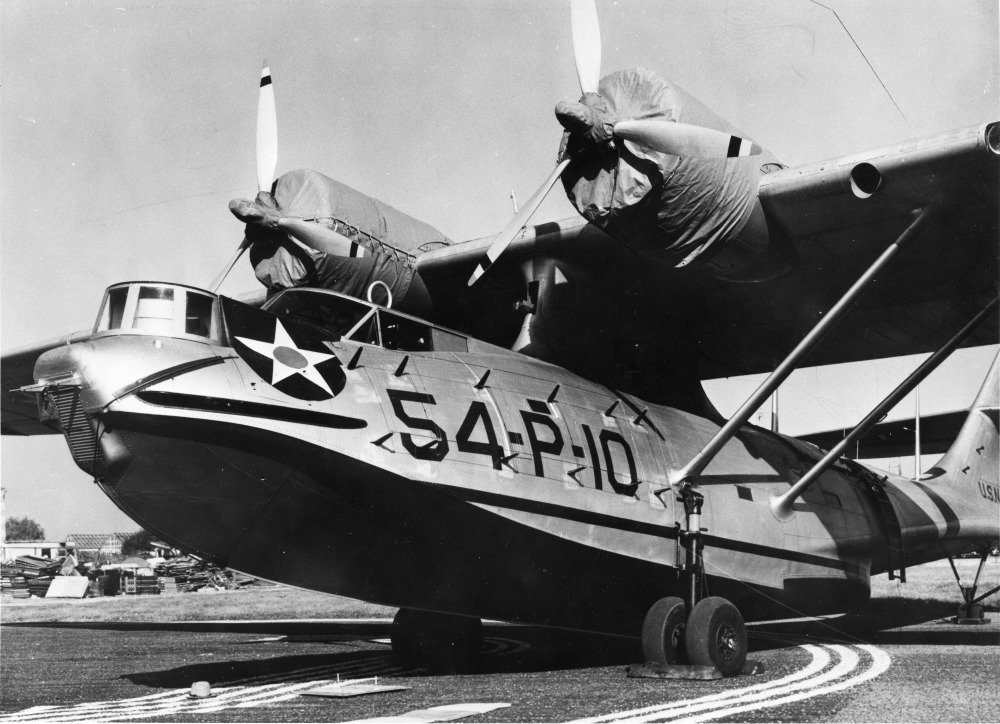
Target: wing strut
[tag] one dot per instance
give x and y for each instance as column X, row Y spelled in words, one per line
column 699, row 462
column 781, row 505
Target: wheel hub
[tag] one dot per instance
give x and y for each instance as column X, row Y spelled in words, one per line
column 727, row 642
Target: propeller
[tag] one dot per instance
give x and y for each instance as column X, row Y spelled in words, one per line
column 517, row 223
column 267, row 132
column 586, row 43
column 267, row 158
column 588, row 118
column 587, row 53
column 682, row 139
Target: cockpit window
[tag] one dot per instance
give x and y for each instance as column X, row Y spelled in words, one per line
column 198, row 316
column 402, row 333
column 159, row 309
column 444, row 341
column 114, row 307
column 331, row 316
column 367, row 332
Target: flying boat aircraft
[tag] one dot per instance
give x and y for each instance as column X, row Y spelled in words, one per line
column 531, row 441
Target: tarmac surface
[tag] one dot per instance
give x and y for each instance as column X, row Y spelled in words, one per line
column 886, row 667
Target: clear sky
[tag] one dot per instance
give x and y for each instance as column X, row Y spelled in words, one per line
column 126, row 126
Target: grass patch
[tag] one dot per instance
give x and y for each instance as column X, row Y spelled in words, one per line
column 935, row 583
column 928, row 587
column 249, row 604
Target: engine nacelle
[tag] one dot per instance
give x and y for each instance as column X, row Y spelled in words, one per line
column 675, row 211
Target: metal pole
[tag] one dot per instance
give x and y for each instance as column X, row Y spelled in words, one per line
column 781, row 505
column 916, row 441
column 700, row 461
column 774, row 411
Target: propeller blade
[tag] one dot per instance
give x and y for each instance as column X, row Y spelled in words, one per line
column 586, row 43
column 680, row 139
column 217, row 282
column 319, row 238
column 267, row 132
column 517, row 223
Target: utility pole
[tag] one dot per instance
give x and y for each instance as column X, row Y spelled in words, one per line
column 916, row 440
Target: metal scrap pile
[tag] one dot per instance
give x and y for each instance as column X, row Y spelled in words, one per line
column 28, row 576
column 191, row 574
column 32, row 576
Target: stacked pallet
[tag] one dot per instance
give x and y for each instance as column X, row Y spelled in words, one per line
column 7, row 574
column 27, row 576
column 190, row 574
column 147, row 585
column 19, row 587
column 36, row 567
column 39, row 586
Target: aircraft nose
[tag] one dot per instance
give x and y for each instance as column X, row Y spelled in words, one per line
column 64, row 364
column 61, row 381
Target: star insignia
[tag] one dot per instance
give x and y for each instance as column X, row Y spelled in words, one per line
column 289, row 359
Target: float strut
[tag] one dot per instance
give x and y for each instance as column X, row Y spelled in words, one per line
column 700, row 461
column 970, row 612
column 781, row 505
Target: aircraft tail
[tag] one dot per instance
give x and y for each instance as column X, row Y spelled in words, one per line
column 974, row 457
column 965, row 483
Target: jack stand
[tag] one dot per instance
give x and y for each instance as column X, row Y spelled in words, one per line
column 690, row 540
column 970, row 613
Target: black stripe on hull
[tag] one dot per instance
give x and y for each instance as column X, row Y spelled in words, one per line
column 289, row 511
column 635, row 526
column 251, row 409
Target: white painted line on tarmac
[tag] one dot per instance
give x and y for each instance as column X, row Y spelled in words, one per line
column 812, row 680
column 244, row 693
column 880, row 663
column 820, row 660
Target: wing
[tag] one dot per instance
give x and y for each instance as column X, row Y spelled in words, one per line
column 19, row 411
column 605, row 312
column 840, row 215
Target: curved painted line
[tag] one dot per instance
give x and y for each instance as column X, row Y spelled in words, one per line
column 880, row 663
column 848, row 662
column 820, row 660
column 808, row 682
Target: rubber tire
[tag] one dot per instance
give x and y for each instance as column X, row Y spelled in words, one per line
column 663, row 632
column 437, row 641
column 716, row 636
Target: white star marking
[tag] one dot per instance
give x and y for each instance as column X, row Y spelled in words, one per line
column 283, row 350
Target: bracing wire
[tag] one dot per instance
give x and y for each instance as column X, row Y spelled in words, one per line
column 868, row 62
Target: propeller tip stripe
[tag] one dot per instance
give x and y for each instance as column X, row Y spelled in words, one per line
column 480, row 270
column 741, row 147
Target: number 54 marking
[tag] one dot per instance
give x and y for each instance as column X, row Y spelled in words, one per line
column 437, row 449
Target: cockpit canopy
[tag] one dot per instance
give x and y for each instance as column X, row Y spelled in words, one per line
column 157, row 308
column 176, row 310
column 334, row 317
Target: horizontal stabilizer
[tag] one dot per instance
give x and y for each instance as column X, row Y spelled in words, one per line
column 897, row 438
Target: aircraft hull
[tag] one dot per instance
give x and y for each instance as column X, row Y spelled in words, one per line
column 326, row 521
